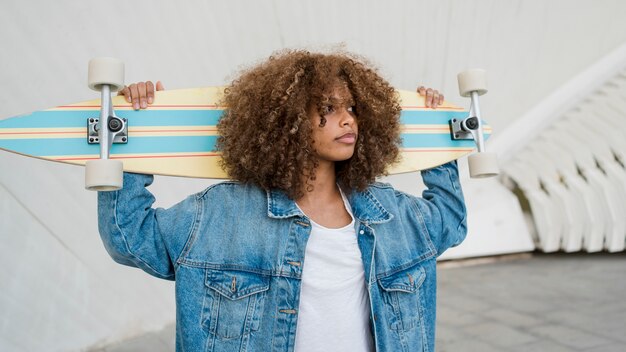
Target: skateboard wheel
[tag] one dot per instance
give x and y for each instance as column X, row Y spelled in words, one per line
column 483, row 165
column 474, row 80
column 103, row 175
column 106, row 70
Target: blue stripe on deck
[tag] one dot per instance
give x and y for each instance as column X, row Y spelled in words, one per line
column 79, row 146
column 46, row 119
column 60, row 119
column 434, row 141
column 429, row 117
column 180, row 144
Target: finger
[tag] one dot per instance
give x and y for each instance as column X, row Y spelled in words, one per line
column 421, row 90
column 141, row 88
column 126, row 93
column 159, row 86
column 134, row 96
column 435, row 99
column 429, row 98
column 440, row 99
column 150, row 91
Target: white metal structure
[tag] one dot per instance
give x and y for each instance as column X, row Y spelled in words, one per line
column 578, row 163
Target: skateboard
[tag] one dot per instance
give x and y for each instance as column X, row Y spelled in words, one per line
column 176, row 135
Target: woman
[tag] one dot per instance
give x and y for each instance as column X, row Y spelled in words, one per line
column 303, row 250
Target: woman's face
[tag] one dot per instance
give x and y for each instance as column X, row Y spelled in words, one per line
column 334, row 126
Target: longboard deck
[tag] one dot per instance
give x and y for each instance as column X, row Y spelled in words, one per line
column 176, row 135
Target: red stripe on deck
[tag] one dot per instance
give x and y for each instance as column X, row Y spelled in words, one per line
column 444, row 129
column 130, row 106
column 436, row 150
column 223, row 107
column 143, row 131
column 68, row 132
column 426, row 128
column 440, row 108
column 132, row 131
column 142, row 157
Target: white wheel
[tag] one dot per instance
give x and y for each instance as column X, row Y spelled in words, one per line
column 103, row 175
column 483, row 165
column 474, row 80
column 106, row 70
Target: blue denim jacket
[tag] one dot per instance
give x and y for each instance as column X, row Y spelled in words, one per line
column 237, row 252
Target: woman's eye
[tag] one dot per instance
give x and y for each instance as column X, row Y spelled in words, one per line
column 327, row 109
column 351, row 109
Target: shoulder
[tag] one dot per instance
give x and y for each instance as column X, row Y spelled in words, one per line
column 386, row 190
column 390, row 198
column 231, row 198
column 232, row 189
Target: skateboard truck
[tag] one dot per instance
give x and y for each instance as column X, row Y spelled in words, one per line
column 473, row 83
column 118, row 128
column 106, row 75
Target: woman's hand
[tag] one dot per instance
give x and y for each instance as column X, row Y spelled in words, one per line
column 433, row 97
column 140, row 94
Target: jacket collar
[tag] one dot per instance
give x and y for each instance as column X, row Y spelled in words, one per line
column 279, row 206
column 365, row 206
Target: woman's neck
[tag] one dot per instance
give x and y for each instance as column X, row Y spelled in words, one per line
column 324, row 186
column 323, row 204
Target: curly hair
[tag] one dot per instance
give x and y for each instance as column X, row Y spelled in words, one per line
column 265, row 131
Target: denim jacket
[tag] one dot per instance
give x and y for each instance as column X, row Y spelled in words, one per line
column 236, row 252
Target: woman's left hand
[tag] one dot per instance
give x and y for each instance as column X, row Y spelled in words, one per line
column 140, row 94
column 433, row 97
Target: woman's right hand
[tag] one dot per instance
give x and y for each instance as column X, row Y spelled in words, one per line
column 140, row 94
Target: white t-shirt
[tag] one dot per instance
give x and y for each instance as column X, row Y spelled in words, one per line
column 334, row 303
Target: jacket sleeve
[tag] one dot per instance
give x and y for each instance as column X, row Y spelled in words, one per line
column 443, row 206
column 138, row 235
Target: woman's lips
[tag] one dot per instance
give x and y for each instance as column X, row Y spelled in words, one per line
column 348, row 138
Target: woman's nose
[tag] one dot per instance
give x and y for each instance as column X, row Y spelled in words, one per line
column 347, row 117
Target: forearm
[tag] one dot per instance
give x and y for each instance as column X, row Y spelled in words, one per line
column 129, row 228
column 446, row 205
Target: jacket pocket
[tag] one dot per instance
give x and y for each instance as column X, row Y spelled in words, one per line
column 233, row 303
column 403, row 298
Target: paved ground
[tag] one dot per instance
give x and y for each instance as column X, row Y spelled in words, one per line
column 551, row 303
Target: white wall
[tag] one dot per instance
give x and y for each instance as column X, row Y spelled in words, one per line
column 58, row 288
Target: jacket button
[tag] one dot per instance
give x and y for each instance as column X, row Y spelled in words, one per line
column 361, row 232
